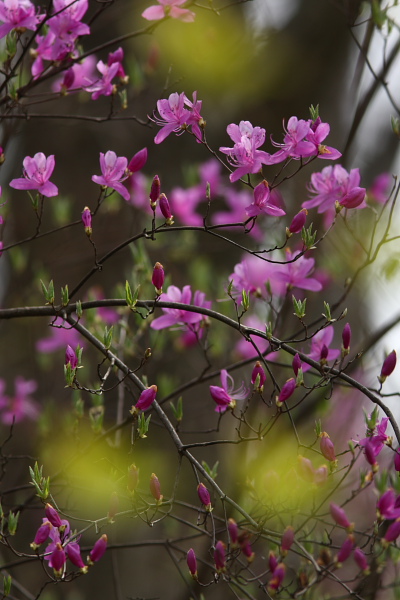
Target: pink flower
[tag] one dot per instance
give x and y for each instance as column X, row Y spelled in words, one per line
column 319, row 343
column 278, row 576
column 245, row 349
column 21, row 406
column 58, row 559
column 225, row 396
column 386, row 506
column 259, row 372
column 138, row 161
column 298, row 222
column 335, row 185
column 175, row 117
column 388, row 366
column 192, row 563
column 146, row 399
column 380, row 188
column 377, row 440
column 261, row 202
column 70, row 357
column 78, row 76
column 168, row 8
column 254, row 274
column 103, row 86
column 179, row 316
column 339, row 516
column 244, row 156
column 37, row 172
column 113, row 170
column 317, row 133
column 158, row 277
column 345, row 549
column 294, row 145
column 327, row 448
column 286, row 391
column 18, row 14
column 295, row 273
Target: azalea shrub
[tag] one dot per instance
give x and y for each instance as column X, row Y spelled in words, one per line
column 192, row 402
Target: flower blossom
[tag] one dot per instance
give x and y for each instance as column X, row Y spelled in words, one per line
column 378, row 439
column 295, row 273
column 174, row 117
column 114, row 171
column 334, row 185
column 168, row 8
column 244, row 156
column 80, row 75
column 18, row 15
column 320, row 344
column 225, row 396
column 37, row 172
column 179, row 316
column 103, row 86
column 262, row 204
column 21, row 406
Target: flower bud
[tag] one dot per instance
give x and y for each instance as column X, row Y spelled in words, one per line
column 324, row 355
column 138, row 161
column 345, row 550
column 286, row 391
column 98, row 549
column 2, row 157
column 361, row 561
column 146, row 399
column 70, row 357
column 388, row 366
column 192, row 563
column 87, row 221
column 204, row 496
column 371, row 456
column 272, row 561
column 392, row 533
column 246, row 548
column 296, row 364
column 158, row 277
column 339, row 516
column 41, row 535
column 155, row 488
column 297, row 223
column 397, row 460
column 68, row 80
column 233, row 531
column 305, row 468
column 133, row 477
column 166, row 209
column 113, row 507
column 219, row 557
column 327, row 448
column 346, row 338
column 58, row 560
column 321, row 475
column 259, row 372
column 155, row 191
column 287, row 540
column 277, row 578
column 53, row 515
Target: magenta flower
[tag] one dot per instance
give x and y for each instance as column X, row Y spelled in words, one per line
column 103, row 86
column 168, row 8
column 392, row 532
column 81, row 74
column 73, row 552
column 295, row 274
column 286, row 391
column 37, row 172
column 346, row 339
column 335, row 185
column 253, row 275
column 317, row 133
column 71, row 357
column 319, row 343
column 116, row 58
column 113, row 169
column 58, row 560
column 386, row 506
column 278, row 576
column 52, row 515
column 87, row 221
column 165, row 209
column 294, row 145
column 19, row 15
column 138, row 161
column 178, row 316
column 41, row 535
column 233, row 531
column 174, row 117
column 21, row 406
column 259, row 372
column 261, row 204
column 378, row 439
column 361, row 560
column 244, row 156
column 225, row 396
column 298, row 222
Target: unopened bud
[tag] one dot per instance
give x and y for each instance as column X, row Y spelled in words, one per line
column 166, row 209
column 155, row 488
column 388, row 366
column 158, row 277
column 155, row 191
column 87, row 221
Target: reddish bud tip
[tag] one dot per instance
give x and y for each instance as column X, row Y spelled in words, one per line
column 158, row 277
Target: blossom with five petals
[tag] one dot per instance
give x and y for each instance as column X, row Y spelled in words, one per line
column 244, row 156
column 176, row 118
column 178, row 316
column 113, row 169
column 19, row 15
column 37, row 172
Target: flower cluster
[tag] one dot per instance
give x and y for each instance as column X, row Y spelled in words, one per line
column 64, row 544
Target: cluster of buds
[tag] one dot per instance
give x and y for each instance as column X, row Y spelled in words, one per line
column 64, row 544
column 157, row 196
